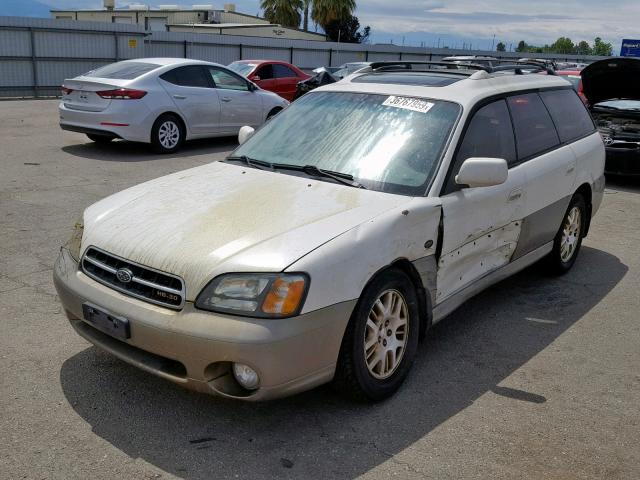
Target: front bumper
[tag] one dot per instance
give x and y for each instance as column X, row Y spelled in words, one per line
column 195, row 349
column 623, row 158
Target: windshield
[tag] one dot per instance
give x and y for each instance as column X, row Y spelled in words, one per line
column 123, row 70
column 387, row 143
column 243, row 69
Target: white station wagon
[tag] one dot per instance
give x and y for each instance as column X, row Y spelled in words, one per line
column 331, row 240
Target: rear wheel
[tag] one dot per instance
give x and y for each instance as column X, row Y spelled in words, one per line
column 99, row 138
column 167, row 134
column 568, row 240
column 381, row 339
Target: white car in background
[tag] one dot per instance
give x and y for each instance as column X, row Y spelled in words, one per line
column 163, row 101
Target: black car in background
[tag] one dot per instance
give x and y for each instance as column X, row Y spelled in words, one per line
column 612, row 89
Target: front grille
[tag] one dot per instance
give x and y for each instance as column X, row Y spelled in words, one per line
column 146, row 283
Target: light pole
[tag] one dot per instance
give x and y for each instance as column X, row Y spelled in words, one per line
column 493, row 41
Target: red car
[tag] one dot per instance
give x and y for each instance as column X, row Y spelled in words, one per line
column 279, row 77
column 573, row 76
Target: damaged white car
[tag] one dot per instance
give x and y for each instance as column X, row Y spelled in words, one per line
column 330, row 241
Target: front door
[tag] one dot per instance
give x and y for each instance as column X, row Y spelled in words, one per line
column 239, row 106
column 480, row 225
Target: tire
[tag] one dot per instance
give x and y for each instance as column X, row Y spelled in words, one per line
column 367, row 372
column 101, row 139
column 167, row 134
column 568, row 240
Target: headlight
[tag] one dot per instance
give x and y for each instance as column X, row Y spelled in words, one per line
column 267, row 295
column 74, row 243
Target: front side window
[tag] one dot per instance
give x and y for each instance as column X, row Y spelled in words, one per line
column 189, row 76
column 489, row 134
column 282, row 71
column 226, row 80
column 569, row 114
column 391, row 144
column 535, row 132
column 265, row 72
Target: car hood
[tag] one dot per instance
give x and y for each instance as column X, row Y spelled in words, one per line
column 612, row 78
column 223, row 217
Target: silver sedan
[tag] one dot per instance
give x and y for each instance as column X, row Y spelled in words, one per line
column 163, row 101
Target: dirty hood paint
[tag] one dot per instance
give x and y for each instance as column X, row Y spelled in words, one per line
column 221, row 218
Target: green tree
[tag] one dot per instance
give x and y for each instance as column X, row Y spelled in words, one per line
column 501, row 47
column 347, row 31
column 283, row 12
column 583, row 48
column 563, row 45
column 324, row 12
column 522, row 46
column 601, row 48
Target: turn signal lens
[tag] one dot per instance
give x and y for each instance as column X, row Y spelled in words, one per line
column 122, row 94
column 285, row 295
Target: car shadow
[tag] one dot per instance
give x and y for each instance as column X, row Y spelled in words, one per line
column 123, row 151
column 319, row 434
column 624, row 183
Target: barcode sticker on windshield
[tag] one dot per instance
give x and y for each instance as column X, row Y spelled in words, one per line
column 407, row 103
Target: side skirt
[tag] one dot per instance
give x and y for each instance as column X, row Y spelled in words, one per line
column 448, row 305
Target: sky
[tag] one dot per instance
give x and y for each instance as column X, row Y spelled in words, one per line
column 466, row 22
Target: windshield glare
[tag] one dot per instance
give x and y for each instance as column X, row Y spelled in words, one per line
column 378, row 139
column 242, row 68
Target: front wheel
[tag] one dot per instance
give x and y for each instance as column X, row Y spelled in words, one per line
column 568, row 240
column 381, row 339
column 167, row 134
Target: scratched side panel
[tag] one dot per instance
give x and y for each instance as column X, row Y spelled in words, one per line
column 340, row 269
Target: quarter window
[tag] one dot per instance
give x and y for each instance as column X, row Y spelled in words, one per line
column 189, row 76
column 489, row 134
column 569, row 114
column 534, row 129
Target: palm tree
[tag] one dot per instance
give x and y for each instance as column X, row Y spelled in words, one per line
column 324, row 12
column 283, row 12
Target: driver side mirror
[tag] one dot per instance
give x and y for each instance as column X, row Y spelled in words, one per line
column 245, row 134
column 482, row 172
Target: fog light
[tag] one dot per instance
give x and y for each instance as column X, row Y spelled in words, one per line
column 246, row 376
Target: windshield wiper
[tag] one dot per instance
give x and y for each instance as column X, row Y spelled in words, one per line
column 344, row 178
column 253, row 162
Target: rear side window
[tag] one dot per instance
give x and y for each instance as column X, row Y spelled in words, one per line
column 282, row 71
column 189, row 76
column 123, row 70
column 489, row 134
column 569, row 114
column 535, row 132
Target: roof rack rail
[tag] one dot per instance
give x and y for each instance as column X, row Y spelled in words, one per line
column 394, row 65
column 519, row 67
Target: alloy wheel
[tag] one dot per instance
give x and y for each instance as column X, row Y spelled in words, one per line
column 571, row 231
column 169, row 134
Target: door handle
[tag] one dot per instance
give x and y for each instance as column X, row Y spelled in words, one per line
column 180, row 97
column 571, row 168
column 515, row 195
column 225, row 99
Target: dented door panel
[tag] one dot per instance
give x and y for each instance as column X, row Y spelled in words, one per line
column 481, row 227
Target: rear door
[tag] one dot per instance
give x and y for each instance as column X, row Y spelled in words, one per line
column 239, row 106
column 480, row 225
column 549, row 162
column 193, row 94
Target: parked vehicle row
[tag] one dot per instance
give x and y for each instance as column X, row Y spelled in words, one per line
column 163, row 101
column 329, row 242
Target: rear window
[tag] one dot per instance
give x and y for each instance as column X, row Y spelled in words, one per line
column 569, row 114
column 534, row 129
column 123, row 70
